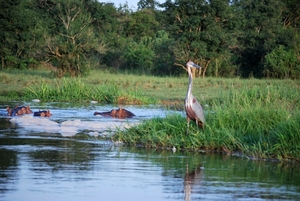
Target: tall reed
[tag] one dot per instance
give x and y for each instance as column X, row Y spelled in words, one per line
column 70, row 90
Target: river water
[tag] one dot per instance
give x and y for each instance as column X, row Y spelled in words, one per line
column 63, row 158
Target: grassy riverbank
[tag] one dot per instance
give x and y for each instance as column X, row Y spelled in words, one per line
column 256, row 118
column 258, row 122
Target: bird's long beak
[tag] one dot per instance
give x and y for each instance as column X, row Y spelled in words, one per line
column 196, row 66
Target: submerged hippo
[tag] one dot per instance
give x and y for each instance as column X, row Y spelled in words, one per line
column 43, row 113
column 117, row 113
column 18, row 111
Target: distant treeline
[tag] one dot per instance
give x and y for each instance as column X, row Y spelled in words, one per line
column 228, row 38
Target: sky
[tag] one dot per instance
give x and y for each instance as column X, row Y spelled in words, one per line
column 131, row 3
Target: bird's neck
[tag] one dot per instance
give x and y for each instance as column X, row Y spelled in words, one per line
column 189, row 91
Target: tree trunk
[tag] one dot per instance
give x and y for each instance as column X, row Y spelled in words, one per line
column 205, row 67
column 2, row 58
column 193, row 72
column 217, row 68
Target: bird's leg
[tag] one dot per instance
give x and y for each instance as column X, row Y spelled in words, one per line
column 187, row 126
column 187, row 129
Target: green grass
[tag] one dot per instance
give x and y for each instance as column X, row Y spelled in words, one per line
column 252, row 117
column 28, row 85
column 70, row 90
column 254, row 121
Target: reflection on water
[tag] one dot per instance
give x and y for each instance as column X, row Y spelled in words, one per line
column 67, row 169
column 192, row 177
column 47, row 166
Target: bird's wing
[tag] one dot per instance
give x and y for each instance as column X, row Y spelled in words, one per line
column 197, row 108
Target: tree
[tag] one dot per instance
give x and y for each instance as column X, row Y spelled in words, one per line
column 226, row 37
column 19, row 36
column 140, row 24
column 165, row 58
column 139, row 56
column 150, row 4
column 281, row 63
column 199, row 29
column 291, row 13
column 260, row 31
column 67, row 49
column 107, row 27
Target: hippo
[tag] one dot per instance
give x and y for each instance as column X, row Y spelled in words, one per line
column 18, row 111
column 117, row 113
column 43, row 113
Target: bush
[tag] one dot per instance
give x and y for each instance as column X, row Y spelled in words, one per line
column 282, row 63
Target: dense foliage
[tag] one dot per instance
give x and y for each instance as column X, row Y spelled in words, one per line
column 248, row 38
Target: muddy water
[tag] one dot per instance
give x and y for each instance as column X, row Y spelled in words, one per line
column 39, row 163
